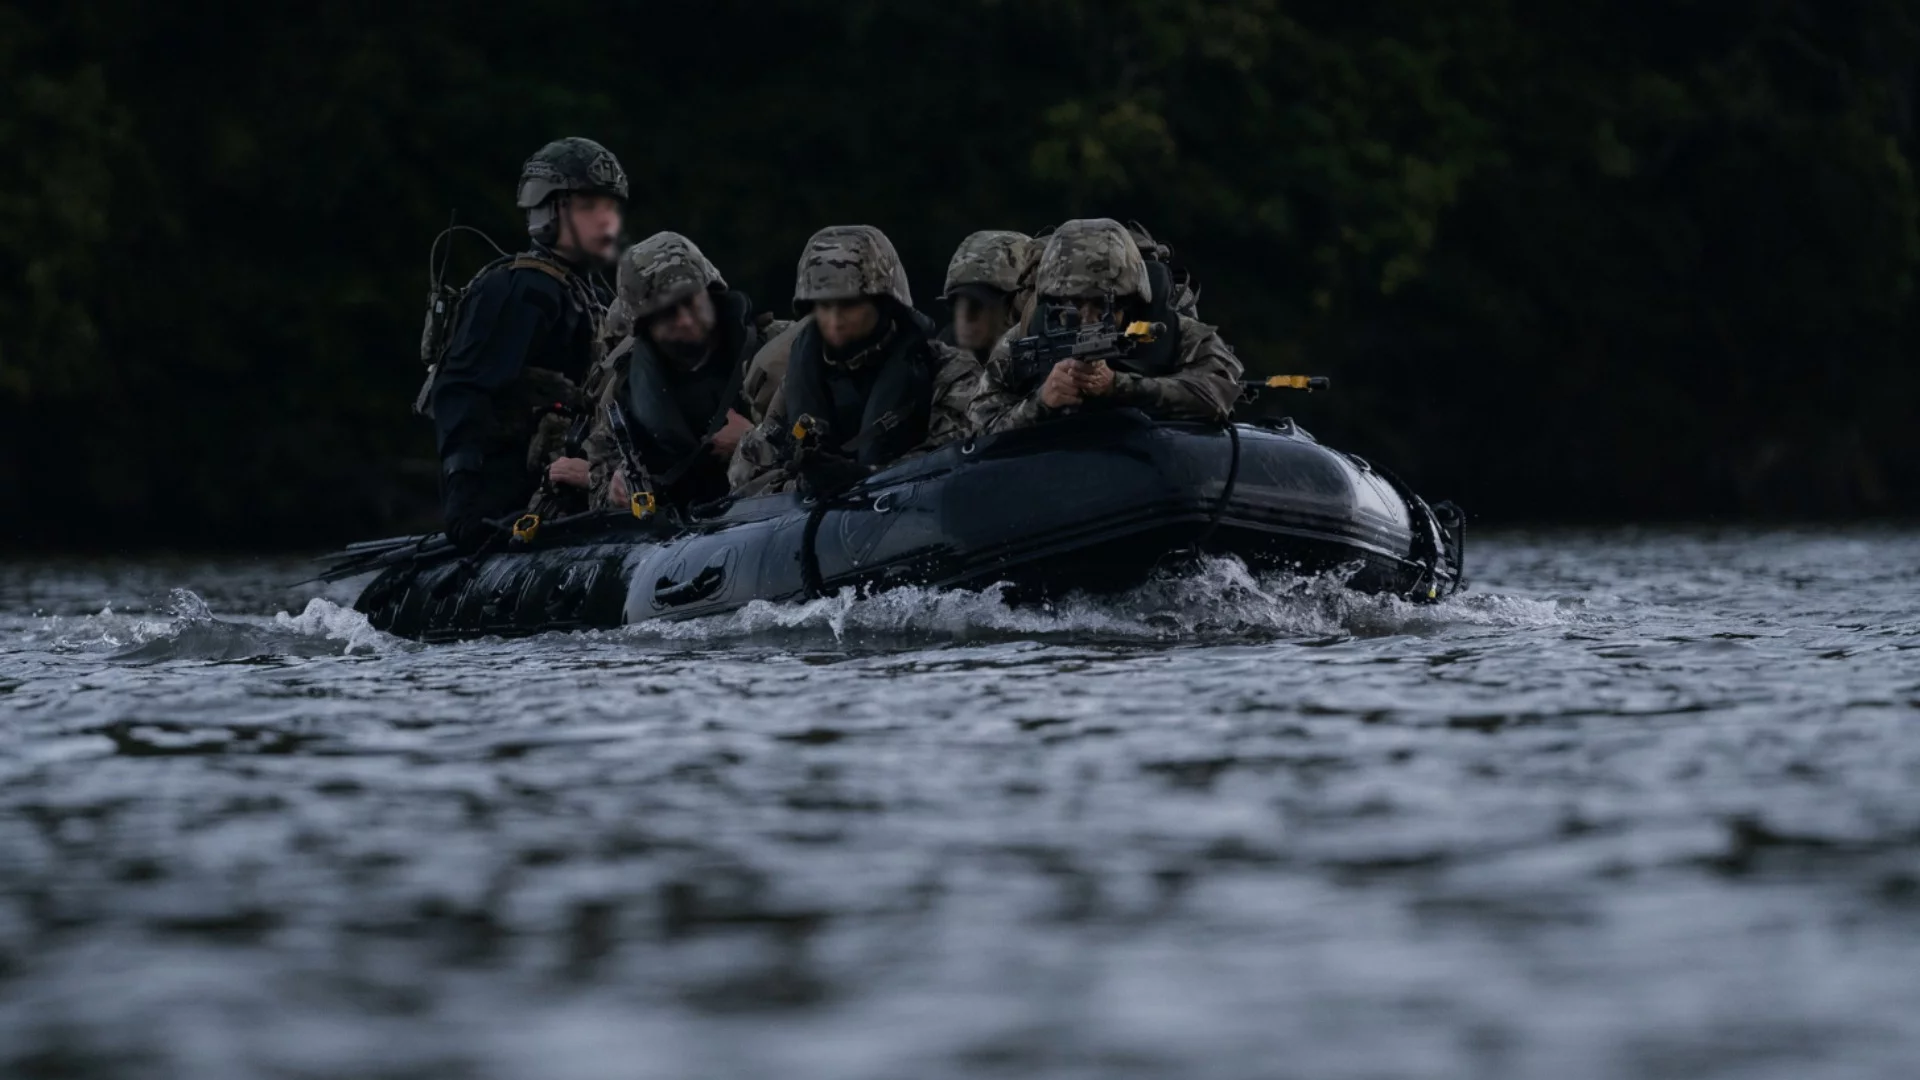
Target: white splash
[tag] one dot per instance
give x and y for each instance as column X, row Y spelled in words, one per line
column 1218, row 599
column 326, row 619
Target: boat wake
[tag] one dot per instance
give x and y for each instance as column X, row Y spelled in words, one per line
column 1219, row 600
column 186, row 629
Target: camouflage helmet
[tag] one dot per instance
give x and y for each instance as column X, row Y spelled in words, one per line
column 1092, row 257
column 659, row 272
column 846, row 262
column 571, row 164
column 995, row 258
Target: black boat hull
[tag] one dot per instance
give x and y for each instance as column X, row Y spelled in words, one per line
column 1097, row 503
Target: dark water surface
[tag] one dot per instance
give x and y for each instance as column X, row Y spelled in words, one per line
column 1641, row 805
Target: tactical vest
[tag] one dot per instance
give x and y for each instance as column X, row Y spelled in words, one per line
column 884, row 406
column 667, row 434
column 445, row 306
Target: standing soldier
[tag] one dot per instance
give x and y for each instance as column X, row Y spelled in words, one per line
column 678, row 379
column 525, row 335
column 1094, row 265
column 862, row 369
column 990, row 285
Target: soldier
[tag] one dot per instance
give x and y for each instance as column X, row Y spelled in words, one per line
column 1093, row 264
column 989, row 284
column 525, row 335
column 678, row 378
column 861, row 367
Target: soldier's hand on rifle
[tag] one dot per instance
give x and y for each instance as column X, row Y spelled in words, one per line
column 1093, row 378
column 727, row 439
column 617, row 492
column 1062, row 387
column 570, row 471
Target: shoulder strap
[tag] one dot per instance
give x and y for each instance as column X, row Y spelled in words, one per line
column 534, row 262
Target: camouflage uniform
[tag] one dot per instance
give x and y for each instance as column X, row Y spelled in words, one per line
column 845, row 263
column 1097, row 257
column 655, row 275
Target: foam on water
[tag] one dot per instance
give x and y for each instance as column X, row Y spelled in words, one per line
column 1218, row 600
column 328, row 620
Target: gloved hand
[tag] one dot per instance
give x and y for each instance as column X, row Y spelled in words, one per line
column 824, row 473
column 469, row 534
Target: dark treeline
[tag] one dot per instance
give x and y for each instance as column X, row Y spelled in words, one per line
column 1600, row 259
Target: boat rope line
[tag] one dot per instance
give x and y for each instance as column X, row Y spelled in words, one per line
column 1226, row 490
column 811, row 582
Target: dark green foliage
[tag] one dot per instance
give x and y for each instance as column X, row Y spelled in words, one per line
column 1665, row 248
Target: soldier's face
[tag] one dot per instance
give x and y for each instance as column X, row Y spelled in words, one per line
column 687, row 323
column 844, row 322
column 590, row 225
column 1093, row 309
column 977, row 324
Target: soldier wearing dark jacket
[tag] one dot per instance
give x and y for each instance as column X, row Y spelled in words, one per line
column 526, row 337
column 680, row 379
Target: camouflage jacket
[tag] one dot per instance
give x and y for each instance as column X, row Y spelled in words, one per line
column 609, row 385
column 759, row 466
column 1203, row 386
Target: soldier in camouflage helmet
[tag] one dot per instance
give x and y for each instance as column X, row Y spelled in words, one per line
column 678, row 378
column 524, row 336
column 862, row 369
column 1095, row 265
column 988, row 281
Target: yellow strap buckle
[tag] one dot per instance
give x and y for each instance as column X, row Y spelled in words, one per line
column 642, row 504
column 525, row 529
column 1141, row 332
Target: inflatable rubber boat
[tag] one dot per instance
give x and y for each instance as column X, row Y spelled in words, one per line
column 1097, row 502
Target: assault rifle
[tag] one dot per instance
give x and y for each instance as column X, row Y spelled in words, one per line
column 821, row 470
column 1064, row 337
column 1250, row 389
column 550, row 503
column 640, row 497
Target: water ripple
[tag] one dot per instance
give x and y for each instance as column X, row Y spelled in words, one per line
column 1641, row 804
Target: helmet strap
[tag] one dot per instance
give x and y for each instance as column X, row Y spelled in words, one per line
column 565, row 232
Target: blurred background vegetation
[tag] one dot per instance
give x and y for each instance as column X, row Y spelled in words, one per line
column 1592, row 260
